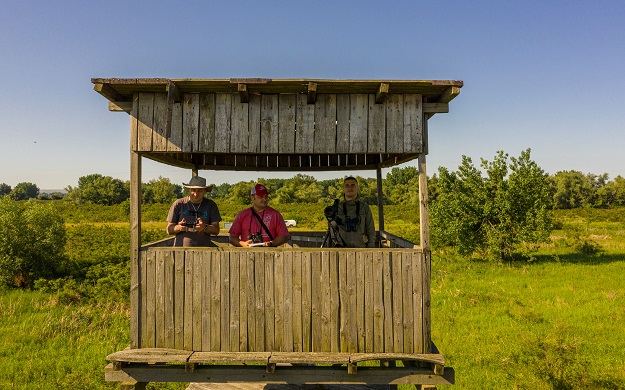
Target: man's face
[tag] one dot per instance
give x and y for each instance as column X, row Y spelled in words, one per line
column 350, row 188
column 196, row 194
column 260, row 202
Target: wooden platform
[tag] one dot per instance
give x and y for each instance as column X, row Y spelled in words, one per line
column 170, row 365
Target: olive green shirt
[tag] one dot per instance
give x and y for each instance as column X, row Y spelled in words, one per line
column 364, row 236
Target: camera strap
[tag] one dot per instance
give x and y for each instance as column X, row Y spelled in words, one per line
column 261, row 222
column 357, row 210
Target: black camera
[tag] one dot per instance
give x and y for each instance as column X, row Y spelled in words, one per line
column 256, row 238
column 190, row 220
column 331, row 211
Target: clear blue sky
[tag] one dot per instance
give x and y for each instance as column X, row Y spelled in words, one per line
column 545, row 75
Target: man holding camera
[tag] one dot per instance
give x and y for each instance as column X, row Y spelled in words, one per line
column 354, row 218
column 193, row 219
column 260, row 225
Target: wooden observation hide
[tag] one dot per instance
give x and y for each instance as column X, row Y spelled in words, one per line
column 297, row 314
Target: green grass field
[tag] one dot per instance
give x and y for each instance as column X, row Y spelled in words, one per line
column 554, row 323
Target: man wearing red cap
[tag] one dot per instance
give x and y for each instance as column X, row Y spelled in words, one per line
column 260, row 225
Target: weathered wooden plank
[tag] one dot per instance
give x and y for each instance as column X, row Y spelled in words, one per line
column 378, row 302
column 169, row 298
column 259, row 292
column 138, row 300
column 223, row 118
column 216, row 302
column 235, row 322
column 325, row 124
column 408, row 316
column 179, row 291
column 270, row 308
column 159, row 137
column 398, row 334
column 174, row 143
column 160, row 299
column 297, row 302
column 240, row 126
column 306, row 302
column 197, row 300
column 305, row 135
column 427, row 319
column 224, row 260
column 358, row 119
column 279, row 314
column 287, row 336
column 360, row 300
column 413, row 117
column 150, row 319
column 324, row 297
column 187, row 342
column 395, row 123
column 368, row 303
column 206, row 141
column 145, row 121
column 351, row 328
column 376, row 142
column 388, row 302
column 134, row 122
column 243, row 283
column 343, row 301
column 190, row 122
column 417, row 293
column 343, row 111
column 206, row 300
column 316, row 304
column 251, row 302
column 254, row 112
column 334, row 300
column 269, row 124
column 286, row 123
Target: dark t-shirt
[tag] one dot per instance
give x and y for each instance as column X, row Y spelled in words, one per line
column 184, row 209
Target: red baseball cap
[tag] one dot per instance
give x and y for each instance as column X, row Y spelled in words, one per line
column 259, row 190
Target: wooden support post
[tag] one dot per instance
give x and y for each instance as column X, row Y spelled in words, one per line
column 382, row 93
column 312, row 93
column 424, row 216
column 135, row 244
column 243, row 93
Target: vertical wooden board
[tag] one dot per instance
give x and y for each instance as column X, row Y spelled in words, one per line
column 146, row 121
column 417, row 293
column 259, row 292
column 207, row 123
column 190, row 122
column 325, row 297
column 206, row 299
column 343, row 301
column 160, row 299
column 424, row 214
column 278, row 272
column 408, row 316
column 159, row 138
column 334, row 299
column 427, row 322
column 306, row 302
column 413, row 117
column 360, row 299
column 235, row 285
column 134, row 123
column 325, row 123
column 368, row 304
column 197, row 299
column 377, row 122
column 287, row 335
column 387, row 279
column 174, row 143
column 316, row 287
column 286, row 123
column 150, row 321
column 223, row 124
column 243, row 283
column 139, row 315
column 305, row 134
column 395, row 123
column 351, row 329
column 297, row 302
column 269, row 123
column 251, row 302
column 215, row 303
column 187, row 342
column 224, row 260
column 169, row 293
column 343, row 110
column 240, row 126
column 254, row 111
column 179, row 278
column 398, row 332
column 270, row 308
column 378, row 302
column 358, row 120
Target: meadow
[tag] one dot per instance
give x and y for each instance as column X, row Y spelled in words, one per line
column 555, row 322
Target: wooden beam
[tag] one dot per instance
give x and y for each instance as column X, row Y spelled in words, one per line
column 449, row 94
column 109, row 92
column 312, row 92
column 243, row 93
column 382, row 93
column 174, row 91
column 120, row 106
column 435, row 108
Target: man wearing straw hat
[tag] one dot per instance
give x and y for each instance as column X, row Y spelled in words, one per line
column 193, row 219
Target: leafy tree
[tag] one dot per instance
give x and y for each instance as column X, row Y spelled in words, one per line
column 24, row 191
column 32, row 242
column 5, row 189
column 570, row 189
column 497, row 216
column 612, row 193
column 402, row 185
column 299, row 189
column 99, row 189
column 161, row 190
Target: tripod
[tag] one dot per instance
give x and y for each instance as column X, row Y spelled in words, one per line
column 332, row 235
